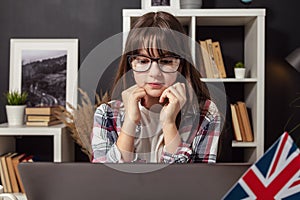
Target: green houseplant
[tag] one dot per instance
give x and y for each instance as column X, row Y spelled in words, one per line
column 239, row 70
column 239, row 65
column 15, row 107
column 16, row 98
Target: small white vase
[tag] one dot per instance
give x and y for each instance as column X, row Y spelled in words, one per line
column 15, row 114
column 190, row 4
column 239, row 73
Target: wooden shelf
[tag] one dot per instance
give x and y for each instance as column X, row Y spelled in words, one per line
column 63, row 145
column 230, row 80
column 243, row 144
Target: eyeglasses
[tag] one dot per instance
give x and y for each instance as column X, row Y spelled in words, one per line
column 140, row 63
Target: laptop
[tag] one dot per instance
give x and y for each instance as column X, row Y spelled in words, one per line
column 82, row 181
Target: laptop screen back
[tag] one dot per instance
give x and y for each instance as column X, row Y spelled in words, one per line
column 49, row 181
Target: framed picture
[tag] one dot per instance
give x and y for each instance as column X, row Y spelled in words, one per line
column 46, row 69
column 160, row 4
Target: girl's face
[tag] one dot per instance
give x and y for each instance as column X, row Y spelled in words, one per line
column 154, row 81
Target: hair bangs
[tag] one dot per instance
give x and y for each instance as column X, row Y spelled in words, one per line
column 155, row 41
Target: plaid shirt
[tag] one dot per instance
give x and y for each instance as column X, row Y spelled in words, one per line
column 199, row 137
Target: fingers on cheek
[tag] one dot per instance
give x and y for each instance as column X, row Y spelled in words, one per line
column 172, row 97
column 163, row 95
column 182, row 87
column 176, row 92
column 139, row 94
column 179, row 96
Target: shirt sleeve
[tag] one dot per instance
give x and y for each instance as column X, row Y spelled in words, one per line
column 104, row 136
column 181, row 155
column 205, row 143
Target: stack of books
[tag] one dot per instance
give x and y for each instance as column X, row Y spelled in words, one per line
column 241, row 122
column 41, row 116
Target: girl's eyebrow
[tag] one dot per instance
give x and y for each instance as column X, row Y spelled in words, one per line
column 162, row 56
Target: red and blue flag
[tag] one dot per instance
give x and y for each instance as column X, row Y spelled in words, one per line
column 276, row 175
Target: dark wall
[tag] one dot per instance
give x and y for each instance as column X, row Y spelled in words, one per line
column 93, row 21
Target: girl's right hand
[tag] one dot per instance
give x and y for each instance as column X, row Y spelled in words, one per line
column 130, row 98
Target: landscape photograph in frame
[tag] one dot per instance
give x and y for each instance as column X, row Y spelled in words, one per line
column 44, row 77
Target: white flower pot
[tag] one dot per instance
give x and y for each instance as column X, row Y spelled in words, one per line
column 239, row 73
column 15, row 114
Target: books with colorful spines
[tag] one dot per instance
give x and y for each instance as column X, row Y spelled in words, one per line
column 235, row 123
column 246, row 121
column 6, row 183
column 50, row 110
column 206, row 61
column 219, row 59
column 213, row 65
column 42, row 123
column 11, row 172
column 40, row 118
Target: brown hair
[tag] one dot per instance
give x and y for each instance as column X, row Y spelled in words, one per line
column 164, row 35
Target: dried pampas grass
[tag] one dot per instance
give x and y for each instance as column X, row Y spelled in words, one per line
column 79, row 121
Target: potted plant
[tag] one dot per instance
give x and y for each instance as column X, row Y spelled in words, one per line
column 15, row 107
column 239, row 70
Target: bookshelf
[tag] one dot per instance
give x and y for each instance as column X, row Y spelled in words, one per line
column 63, row 145
column 251, row 26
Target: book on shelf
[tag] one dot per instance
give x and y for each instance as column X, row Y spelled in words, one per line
column 213, row 65
column 41, row 118
column 205, row 57
column 18, row 159
column 6, row 180
column 2, row 177
column 11, row 172
column 219, row 59
column 200, row 63
column 43, row 123
column 235, row 124
column 1, row 174
column 15, row 161
column 41, row 110
column 240, row 121
column 246, row 121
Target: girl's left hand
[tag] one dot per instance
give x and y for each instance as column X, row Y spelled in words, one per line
column 176, row 94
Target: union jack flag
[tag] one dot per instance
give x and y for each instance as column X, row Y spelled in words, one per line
column 276, row 175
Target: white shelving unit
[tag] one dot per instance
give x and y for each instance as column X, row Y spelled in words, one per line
column 63, row 145
column 253, row 21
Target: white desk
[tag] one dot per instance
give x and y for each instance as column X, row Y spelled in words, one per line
column 63, row 145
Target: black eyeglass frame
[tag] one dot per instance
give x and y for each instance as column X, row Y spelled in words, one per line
column 154, row 59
